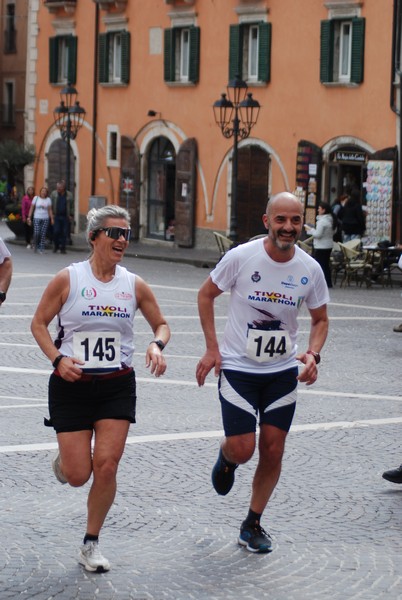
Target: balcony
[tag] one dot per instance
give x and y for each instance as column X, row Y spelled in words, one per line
column 120, row 5
column 54, row 5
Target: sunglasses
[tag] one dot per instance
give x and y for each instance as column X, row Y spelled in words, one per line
column 116, row 232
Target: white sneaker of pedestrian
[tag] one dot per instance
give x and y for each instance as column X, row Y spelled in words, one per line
column 58, row 473
column 91, row 558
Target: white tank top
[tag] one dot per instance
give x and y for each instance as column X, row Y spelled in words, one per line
column 96, row 322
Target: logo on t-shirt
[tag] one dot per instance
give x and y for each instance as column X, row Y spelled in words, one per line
column 256, row 277
column 88, row 293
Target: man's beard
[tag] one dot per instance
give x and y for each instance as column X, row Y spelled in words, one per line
column 284, row 245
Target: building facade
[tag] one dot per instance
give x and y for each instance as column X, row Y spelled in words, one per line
column 148, row 75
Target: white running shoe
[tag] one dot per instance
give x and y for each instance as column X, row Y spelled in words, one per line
column 91, row 558
column 57, row 470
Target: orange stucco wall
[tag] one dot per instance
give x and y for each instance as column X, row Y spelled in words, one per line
column 295, row 105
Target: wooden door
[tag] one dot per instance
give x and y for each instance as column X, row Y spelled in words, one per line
column 252, row 191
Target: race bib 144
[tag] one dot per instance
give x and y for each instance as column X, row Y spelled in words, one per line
column 268, row 346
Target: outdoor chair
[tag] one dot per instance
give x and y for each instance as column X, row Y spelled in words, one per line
column 356, row 266
column 336, row 262
column 224, row 243
column 306, row 245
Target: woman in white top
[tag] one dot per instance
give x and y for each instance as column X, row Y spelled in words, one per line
column 41, row 210
column 92, row 390
column 323, row 238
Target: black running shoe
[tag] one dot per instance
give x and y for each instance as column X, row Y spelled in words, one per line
column 223, row 475
column 394, row 475
column 255, row 538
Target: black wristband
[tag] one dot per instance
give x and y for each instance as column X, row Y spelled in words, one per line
column 317, row 357
column 56, row 361
column 159, row 343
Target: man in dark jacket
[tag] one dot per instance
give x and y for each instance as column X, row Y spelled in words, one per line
column 63, row 211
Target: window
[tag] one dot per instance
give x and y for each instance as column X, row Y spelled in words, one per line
column 8, row 116
column 342, row 51
column 250, row 52
column 181, row 54
column 10, row 33
column 63, row 59
column 114, row 57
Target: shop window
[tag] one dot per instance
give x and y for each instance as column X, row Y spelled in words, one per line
column 342, row 51
column 114, row 57
column 181, row 54
column 250, row 52
column 63, row 59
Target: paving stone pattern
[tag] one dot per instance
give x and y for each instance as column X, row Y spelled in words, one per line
column 336, row 524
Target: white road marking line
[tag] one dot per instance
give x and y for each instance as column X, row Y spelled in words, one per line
column 213, row 384
column 197, row 435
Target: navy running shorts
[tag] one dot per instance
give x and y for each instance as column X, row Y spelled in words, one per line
column 77, row 406
column 246, row 396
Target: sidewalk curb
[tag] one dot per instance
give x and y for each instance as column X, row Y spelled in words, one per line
column 198, row 258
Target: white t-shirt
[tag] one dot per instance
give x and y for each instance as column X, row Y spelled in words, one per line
column 265, row 300
column 4, row 252
column 41, row 206
column 96, row 322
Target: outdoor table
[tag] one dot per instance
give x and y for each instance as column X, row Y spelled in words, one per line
column 382, row 264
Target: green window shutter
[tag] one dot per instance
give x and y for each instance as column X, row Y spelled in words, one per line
column 53, row 59
column 264, row 51
column 103, row 74
column 194, row 66
column 168, row 56
column 327, row 51
column 71, row 42
column 235, row 51
column 125, row 56
column 357, row 64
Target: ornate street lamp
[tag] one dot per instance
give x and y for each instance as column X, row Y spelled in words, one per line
column 69, row 117
column 236, row 113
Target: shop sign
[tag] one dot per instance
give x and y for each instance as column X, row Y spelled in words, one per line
column 349, row 156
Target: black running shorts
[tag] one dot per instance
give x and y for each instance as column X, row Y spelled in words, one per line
column 77, row 406
column 244, row 396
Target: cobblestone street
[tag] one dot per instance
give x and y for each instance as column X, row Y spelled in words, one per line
column 336, row 524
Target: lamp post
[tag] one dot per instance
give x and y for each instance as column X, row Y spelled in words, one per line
column 69, row 117
column 236, row 113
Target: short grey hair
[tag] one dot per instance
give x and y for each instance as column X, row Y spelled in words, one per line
column 97, row 216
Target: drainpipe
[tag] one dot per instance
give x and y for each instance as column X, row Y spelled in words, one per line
column 396, row 79
column 95, row 102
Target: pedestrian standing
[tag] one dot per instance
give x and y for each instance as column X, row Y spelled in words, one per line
column 63, row 212
column 25, row 208
column 269, row 280
column 352, row 217
column 92, row 390
column 6, row 271
column 41, row 214
column 323, row 239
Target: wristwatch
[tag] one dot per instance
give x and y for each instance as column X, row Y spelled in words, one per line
column 159, row 343
column 3, row 296
column 317, row 357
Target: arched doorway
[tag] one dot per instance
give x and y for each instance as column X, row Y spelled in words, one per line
column 161, row 188
column 57, row 166
column 252, row 190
